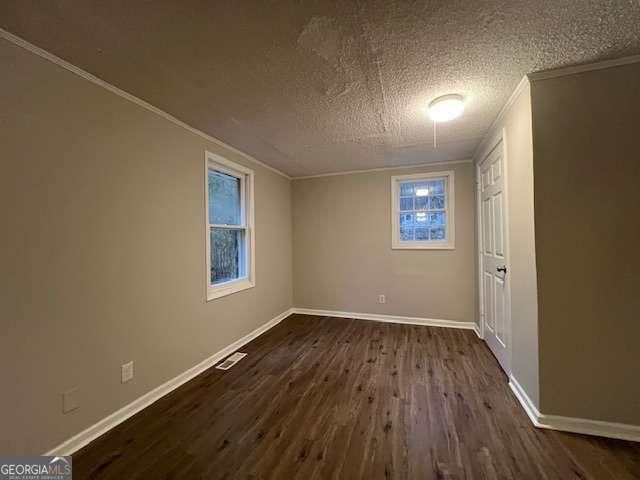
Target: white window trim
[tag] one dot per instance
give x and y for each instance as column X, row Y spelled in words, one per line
column 449, row 242
column 212, row 160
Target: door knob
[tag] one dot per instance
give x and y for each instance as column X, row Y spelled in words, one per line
column 502, row 269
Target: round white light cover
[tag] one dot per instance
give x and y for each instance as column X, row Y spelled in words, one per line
column 446, row 107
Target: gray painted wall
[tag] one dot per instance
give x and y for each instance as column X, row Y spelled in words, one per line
column 342, row 250
column 102, row 252
column 516, row 130
column 587, row 215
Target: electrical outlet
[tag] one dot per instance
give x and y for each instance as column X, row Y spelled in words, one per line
column 382, row 299
column 127, row 372
column 70, row 400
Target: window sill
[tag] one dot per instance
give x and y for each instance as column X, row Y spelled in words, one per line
column 229, row 288
column 418, row 246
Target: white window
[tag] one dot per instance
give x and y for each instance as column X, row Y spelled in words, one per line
column 422, row 211
column 230, row 235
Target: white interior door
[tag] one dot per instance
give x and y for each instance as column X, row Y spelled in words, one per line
column 495, row 278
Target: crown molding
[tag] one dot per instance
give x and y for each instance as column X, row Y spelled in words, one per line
column 382, row 169
column 586, row 67
column 22, row 43
column 545, row 75
column 523, row 84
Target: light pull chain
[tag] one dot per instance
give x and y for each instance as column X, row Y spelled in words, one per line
column 435, row 140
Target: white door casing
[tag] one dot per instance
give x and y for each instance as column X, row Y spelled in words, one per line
column 494, row 288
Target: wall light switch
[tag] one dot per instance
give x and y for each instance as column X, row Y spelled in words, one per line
column 382, row 299
column 70, row 400
column 127, row 372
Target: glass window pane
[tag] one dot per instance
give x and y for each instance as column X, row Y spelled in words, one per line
column 436, row 187
column 406, row 219
column 406, row 189
column 422, row 215
column 422, row 203
column 421, row 189
column 437, row 202
column 227, row 254
column 421, row 218
column 224, row 198
column 406, row 203
column 406, row 233
column 436, row 219
column 422, row 233
column 437, row 233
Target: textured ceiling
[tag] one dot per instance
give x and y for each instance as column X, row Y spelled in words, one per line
column 324, row 86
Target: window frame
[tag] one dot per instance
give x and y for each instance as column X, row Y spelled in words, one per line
column 246, row 176
column 449, row 203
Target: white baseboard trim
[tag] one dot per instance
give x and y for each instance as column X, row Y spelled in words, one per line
column 476, row 328
column 430, row 322
column 584, row 426
column 554, row 422
column 527, row 404
column 83, row 438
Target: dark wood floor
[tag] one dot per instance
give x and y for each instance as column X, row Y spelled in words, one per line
column 350, row 399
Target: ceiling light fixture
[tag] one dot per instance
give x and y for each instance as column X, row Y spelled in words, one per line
column 443, row 109
column 446, row 107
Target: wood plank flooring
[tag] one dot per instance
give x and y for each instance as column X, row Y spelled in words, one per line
column 331, row 398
